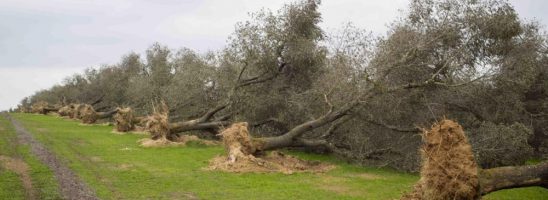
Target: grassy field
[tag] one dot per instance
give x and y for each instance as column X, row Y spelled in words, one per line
column 117, row 168
column 11, row 186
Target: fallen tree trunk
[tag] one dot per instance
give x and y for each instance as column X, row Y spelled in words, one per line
column 449, row 170
column 160, row 128
column 291, row 138
column 500, row 178
column 88, row 115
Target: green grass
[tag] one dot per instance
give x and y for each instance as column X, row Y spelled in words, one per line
column 11, row 187
column 117, row 168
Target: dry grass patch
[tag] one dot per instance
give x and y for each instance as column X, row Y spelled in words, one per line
column 21, row 168
column 180, row 141
column 272, row 162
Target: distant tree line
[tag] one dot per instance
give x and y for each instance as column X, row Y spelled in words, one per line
column 475, row 62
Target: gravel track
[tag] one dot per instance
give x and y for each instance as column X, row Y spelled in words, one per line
column 71, row 186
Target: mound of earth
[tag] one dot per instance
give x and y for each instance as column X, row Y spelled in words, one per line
column 180, row 141
column 272, row 162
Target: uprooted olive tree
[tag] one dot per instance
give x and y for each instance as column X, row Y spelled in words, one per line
column 42, row 107
column 161, row 128
column 449, row 169
column 88, row 115
column 125, row 120
column 348, row 92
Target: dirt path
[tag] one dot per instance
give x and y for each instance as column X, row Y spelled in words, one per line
column 71, row 186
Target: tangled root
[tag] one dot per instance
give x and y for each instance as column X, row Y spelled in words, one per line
column 449, row 170
column 64, row 111
column 75, row 110
column 71, row 112
column 39, row 107
column 124, row 120
column 87, row 114
column 157, row 124
column 240, row 148
column 237, row 142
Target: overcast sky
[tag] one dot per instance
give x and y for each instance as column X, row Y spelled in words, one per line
column 43, row 41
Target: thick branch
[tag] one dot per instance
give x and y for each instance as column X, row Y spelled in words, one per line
column 195, row 125
column 500, row 178
column 255, row 80
column 46, row 110
column 209, row 114
column 394, row 128
column 98, row 100
column 287, row 138
column 467, row 109
column 102, row 115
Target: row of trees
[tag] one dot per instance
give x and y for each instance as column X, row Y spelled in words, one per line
column 348, row 93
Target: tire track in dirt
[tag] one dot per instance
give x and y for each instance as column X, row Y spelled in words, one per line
column 22, row 170
column 71, row 186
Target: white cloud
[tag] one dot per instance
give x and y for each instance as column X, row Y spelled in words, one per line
column 38, row 36
column 18, row 83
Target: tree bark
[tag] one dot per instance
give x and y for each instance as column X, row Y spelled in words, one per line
column 290, row 137
column 102, row 115
column 195, row 125
column 202, row 123
column 500, row 178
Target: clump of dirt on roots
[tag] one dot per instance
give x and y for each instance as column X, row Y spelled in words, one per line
column 88, row 114
column 157, row 125
column 39, row 107
column 72, row 111
column 124, row 120
column 240, row 148
column 449, row 170
column 64, row 111
column 75, row 112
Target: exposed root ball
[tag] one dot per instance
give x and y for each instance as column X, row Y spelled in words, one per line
column 64, row 111
column 157, row 125
column 72, row 111
column 272, row 162
column 240, row 148
column 237, row 141
column 39, row 107
column 75, row 111
column 449, row 170
column 87, row 114
column 124, row 120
